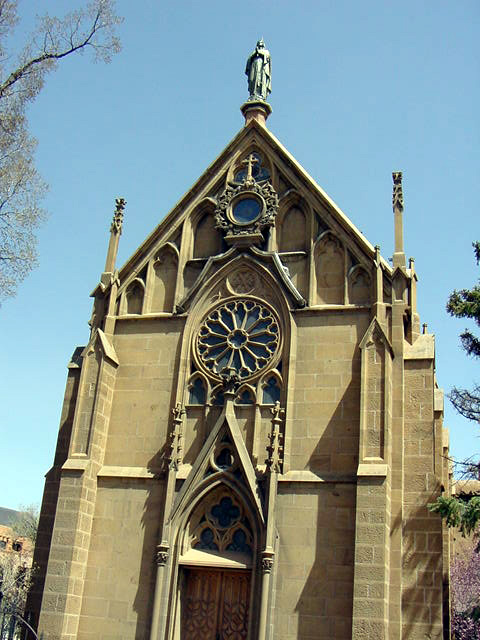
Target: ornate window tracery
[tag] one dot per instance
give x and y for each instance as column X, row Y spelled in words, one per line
column 223, row 527
column 243, row 334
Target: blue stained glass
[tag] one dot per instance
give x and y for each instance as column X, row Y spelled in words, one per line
column 197, row 392
column 271, row 392
column 224, row 460
column 227, row 319
column 246, row 210
column 212, row 340
column 245, row 397
column 207, row 541
column 225, row 513
column 259, row 351
column 252, row 317
column 239, row 542
column 240, row 315
column 219, row 399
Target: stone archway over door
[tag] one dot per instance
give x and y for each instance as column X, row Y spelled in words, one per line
column 214, row 604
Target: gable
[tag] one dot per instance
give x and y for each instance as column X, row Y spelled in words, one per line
column 307, row 231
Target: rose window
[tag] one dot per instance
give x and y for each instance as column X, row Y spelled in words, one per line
column 242, row 334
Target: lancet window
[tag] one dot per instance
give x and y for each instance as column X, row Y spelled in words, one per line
column 198, row 393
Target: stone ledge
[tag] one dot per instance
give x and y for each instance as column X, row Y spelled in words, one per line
column 310, row 476
column 76, row 464
column 125, row 472
column 374, row 470
column 422, row 349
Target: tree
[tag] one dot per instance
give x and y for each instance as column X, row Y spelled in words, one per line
column 466, row 304
column 465, row 590
column 16, row 569
column 21, row 188
column 25, row 524
column 465, row 514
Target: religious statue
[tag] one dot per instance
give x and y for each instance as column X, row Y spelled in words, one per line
column 259, row 72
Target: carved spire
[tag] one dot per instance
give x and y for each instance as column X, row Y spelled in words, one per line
column 397, row 198
column 275, row 448
column 115, row 233
column 117, row 221
column 174, row 453
column 397, row 203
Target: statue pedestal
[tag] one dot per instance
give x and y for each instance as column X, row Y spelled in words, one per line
column 256, row 110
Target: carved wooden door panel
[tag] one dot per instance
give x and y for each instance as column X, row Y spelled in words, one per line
column 234, row 603
column 215, row 605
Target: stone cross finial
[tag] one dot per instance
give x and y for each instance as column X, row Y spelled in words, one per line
column 249, row 162
column 397, row 198
column 117, row 221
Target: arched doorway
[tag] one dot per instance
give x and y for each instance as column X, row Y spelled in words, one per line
column 215, row 581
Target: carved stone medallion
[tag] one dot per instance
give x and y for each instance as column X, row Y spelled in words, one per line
column 242, row 281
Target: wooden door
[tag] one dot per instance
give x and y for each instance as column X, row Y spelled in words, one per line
column 215, row 605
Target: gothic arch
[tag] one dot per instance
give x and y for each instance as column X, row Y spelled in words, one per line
column 270, row 387
column 238, row 544
column 196, row 395
column 359, row 286
column 132, row 297
column 329, row 269
column 207, row 241
column 164, row 277
column 243, row 391
column 293, row 223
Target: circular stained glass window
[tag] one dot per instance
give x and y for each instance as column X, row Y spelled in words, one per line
column 242, row 334
column 246, row 209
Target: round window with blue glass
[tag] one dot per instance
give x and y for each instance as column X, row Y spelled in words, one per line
column 246, row 209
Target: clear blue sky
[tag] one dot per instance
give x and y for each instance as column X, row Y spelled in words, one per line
column 359, row 90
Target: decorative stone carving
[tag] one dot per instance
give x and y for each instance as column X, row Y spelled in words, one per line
column 397, row 197
column 162, row 554
column 244, row 210
column 117, row 221
column 243, row 281
column 267, row 562
column 275, row 449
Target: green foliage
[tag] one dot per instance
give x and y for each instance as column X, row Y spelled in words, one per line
column 464, row 304
column 457, row 513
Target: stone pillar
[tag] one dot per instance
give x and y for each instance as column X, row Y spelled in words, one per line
column 372, row 521
column 62, row 594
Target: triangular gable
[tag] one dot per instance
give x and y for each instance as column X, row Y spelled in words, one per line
column 226, row 423
column 368, row 338
column 199, row 191
column 107, row 348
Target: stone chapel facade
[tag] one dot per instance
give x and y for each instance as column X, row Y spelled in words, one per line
column 251, row 436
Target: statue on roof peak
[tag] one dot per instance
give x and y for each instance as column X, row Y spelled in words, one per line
column 259, row 73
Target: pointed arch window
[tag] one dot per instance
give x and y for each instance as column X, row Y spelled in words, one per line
column 271, row 390
column 198, row 392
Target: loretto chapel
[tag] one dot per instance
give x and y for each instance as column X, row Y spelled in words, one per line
column 253, row 432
